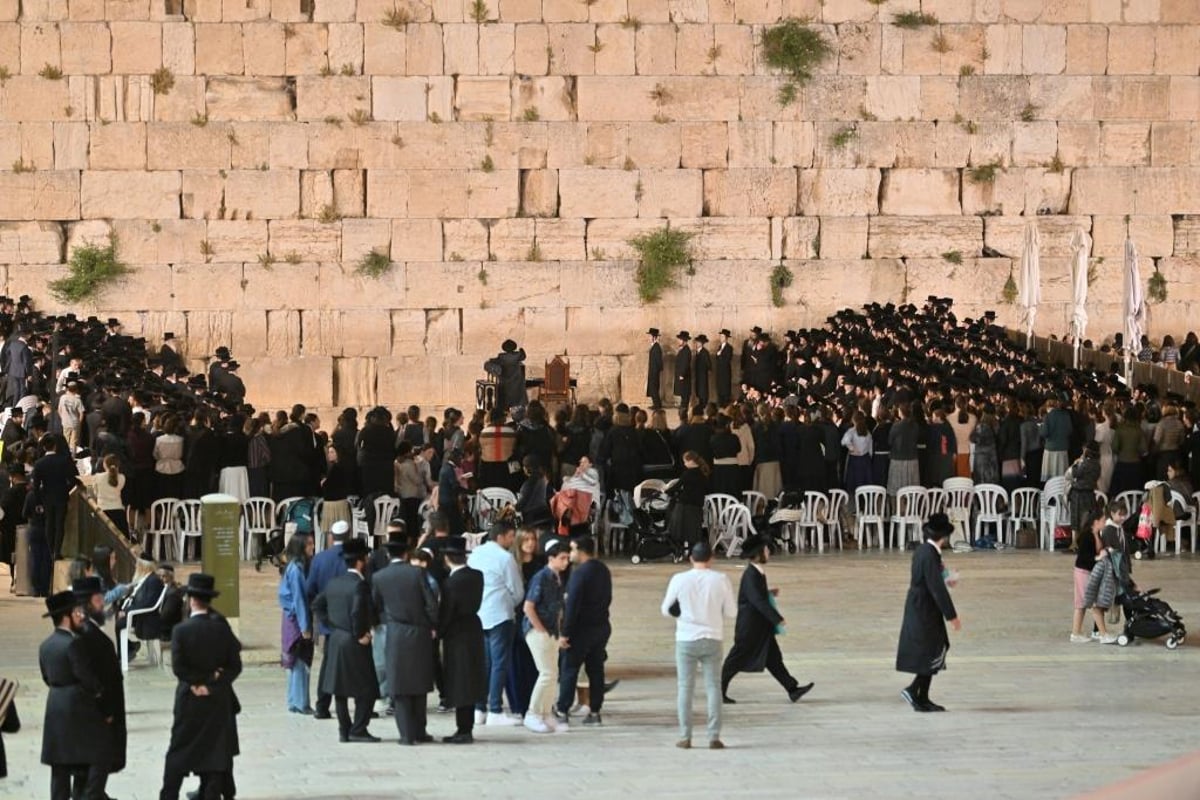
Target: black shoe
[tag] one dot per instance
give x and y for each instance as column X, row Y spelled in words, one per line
column 318, row 714
column 727, row 700
column 406, row 742
column 799, row 691
column 608, row 687
column 343, row 737
column 459, row 738
column 921, row 705
column 909, row 698
column 363, row 738
column 932, row 706
column 424, row 738
column 442, row 708
column 593, row 719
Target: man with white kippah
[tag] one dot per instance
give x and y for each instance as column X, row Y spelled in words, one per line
column 326, row 566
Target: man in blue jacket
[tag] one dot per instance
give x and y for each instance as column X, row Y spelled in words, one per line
column 327, row 565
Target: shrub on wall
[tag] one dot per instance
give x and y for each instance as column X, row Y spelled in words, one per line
column 796, row 50
column 661, row 253
column 91, row 269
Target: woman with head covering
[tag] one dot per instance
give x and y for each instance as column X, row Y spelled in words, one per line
column 927, row 608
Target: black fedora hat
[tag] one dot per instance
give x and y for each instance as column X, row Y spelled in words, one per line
column 683, row 336
column 724, row 332
column 60, row 603
column 201, row 584
column 454, row 545
column 753, row 544
column 509, row 346
column 701, row 338
column 84, row 588
column 939, row 526
column 653, row 332
column 355, row 548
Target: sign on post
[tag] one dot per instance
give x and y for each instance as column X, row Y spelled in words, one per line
column 221, row 548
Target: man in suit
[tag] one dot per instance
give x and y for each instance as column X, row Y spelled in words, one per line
column 747, row 358
column 101, row 656
column 75, row 735
column 408, row 610
column 18, row 366
column 464, row 674
column 230, row 385
column 345, row 608
column 326, row 566
column 754, row 642
column 683, row 374
column 53, row 476
column 168, row 354
column 701, row 369
column 724, row 369
column 654, row 369
column 206, row 657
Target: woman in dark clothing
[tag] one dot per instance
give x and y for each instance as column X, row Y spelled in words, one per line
column 696, row 436
column 201, row 456
column 1189, row 353
column 533, row 503
column 619, row 453
column 376, row 453
column 880, row 451
column 345, row 435
column 767, row 449
column 940, row 451
column 657, row 451
column 687, row 517
column 576, row 440
column 790, row 459
column 726, row 477
column 902, row 442
column 139, row 477
column 810, row 450
column 927, row 608
column 1008, row 447
column 534, row 438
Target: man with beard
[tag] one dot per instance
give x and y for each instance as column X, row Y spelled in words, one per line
column 102, row 658
column 724, row 361
column 75, row 735
column 206, row 657
column 701, row 369
column 654, row 368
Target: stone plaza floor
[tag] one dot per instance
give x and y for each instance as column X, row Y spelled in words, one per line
column 1031, row 715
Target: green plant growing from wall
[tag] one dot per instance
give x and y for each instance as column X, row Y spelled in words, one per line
column 796, row 50
column 661, row 253
column 843, row 137
column 51, row 73
column 479, row 11
column 985, row 173
column 781, row 278
column 374, row 264
column 1008, row 295
column 954, row 257
column 90, row 271
column 912, row 20
column 162, row 81
column 1156, row 287
column 397, row 18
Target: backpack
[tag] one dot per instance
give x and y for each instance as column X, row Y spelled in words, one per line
column 303, row 513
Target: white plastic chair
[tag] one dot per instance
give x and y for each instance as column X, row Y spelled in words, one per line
column 714, row 508
column 1132, row 499
column 281, row 509
column 1177, row 499
column 423, row 511
column 755, row 501
column 838, row 498
column 960, row 493
column 735, row 526
column 991, row 501
column 935, row 501
column 869, row 505
column 190, row 526
column 488, row 504
column 385, row 509
column 162, row 536
column 1023, row 508
column 614, row 530
column 473, row 540
column 257, row 517
column 909, row 512
column 153, row 646
column 816, row 512
column 1052, row 511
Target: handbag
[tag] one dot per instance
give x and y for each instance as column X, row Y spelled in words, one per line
column 1145, row 528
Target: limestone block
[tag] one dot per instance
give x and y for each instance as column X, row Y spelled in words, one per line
column 539, row 193
column 687, row 98
column 1187, row 235
column 247, row 334
column 363, row 236
column 179, row 49
column 1079, row 143
column 398, row 98
column 460, row 46
column 288, row 147
column 978, row 282
column 522, row 284
column 919, row 57
column 184, row 103
column 801, row 237
column 1167, row 190
column 312, row 239
column 609, row 238
column 40, row 45
column 70, row 145
column 1130, row 98
column 1185, row 97
column 349, row 192
column 33, row 99
column 617, row 55
column 236, row 240
column 1175, row 11
column 246, row 10
column 346, row 45
column 86, row 48
column 179, row 145
column 1153, row 235
column 1130, row 50
column 750, row 144
column 512, row 239
column 859, row 48
column 1007, row 234
column 127, row 195
column 840, row 97
column 316, row 192
column 920, row 191
column 1170, row 144
column 219, row 49
column 1062, row 97
column 858, row 144
column 736, row 50
column 385, row 50
column 478, row 98
column 274, row 194
column 839, row 192
column 570, row 50
column 991, row 142
column 306, row 48
column 597, row 193
column 939, row 97
column 924, row 237
column 531, row 50
column 750, row 192
column 10, row 142
column 564, row 11
column 655, row 50
column 364, row 332
column 1125, row 144
column 496, row 48
column 732, row 238
column 261, row 99
column 31, row 243
column 445, row 285
column 1087, row 49
column 491, row 195
column 408, row 332
column 704, row 145
column 1175, row 50
column 692, row 49
column 993, row 97
column 250, row 144
column 550, row 96
column 560, row 239
column 136, row 47
column 1034, row 143
column 1044, row 49
column 279, row 285
column 681, row 193
column 1006, row 194
column 842, row 238
column 205, row 287
column 916, row 144
column 424, row 49
column 792, row 144
column 203, row 195
column 411, row 379
column 1006, row 50
column 439, row 97
column 318, row 97
column 341, row 287
column 465, row 239
column 296, row 379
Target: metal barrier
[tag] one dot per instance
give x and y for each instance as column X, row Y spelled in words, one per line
column 87, row 526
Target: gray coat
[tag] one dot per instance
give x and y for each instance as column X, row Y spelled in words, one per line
column 345, row 608
column 74, row 730
column 407, row 607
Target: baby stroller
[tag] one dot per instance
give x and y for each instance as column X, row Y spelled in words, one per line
column 1147, row 617
column 271, row 550
column 652, row 505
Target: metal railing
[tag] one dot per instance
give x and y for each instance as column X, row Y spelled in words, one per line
column 88, row 526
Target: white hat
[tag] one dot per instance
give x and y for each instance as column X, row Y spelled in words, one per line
column 340, row 528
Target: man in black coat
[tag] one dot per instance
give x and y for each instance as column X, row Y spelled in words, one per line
column 683, row 374
column 724, row 361
column 464, row 673
column 923, row 638
column 654, row 368
column 206, row 657
column 75, row 734
column 701, row 369
column 345, row 607
column 168, row 355
column 754, row 642
column 53, row 476
column 408, row 610
column 18, row 366
column 512, row 376
column 230, row 385
column 102, row 657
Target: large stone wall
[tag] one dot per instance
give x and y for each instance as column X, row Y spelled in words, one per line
column 503, row 166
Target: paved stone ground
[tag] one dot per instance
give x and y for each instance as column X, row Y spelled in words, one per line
column 1031, row 716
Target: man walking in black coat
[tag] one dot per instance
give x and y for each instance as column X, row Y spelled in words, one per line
column 701, row 369
column 408, row 610
column 101, row 656
column 724, row 361
column 75, row 734
column 923, row 638
column 345, row 607
column 654, row 368
column 464, row 672
column 683, row 374
column 206, row 658
column 754, row 642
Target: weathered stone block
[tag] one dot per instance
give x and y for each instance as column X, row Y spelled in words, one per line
column 550, row 96
column 609, row 238
column 284, row 381
column 597, row 193
column 204, row 287
column 750, row 192
column 186, row 146
column 86, row 48
column 31, row 243
column 398, row 98
column 561, row 239
column 1102, row 191
column 274, row 194
column 676, row 193
column 496, row 47
column 219, row 49
column 1130, row 98
column 260, row 99
column 385, row 49
column 341, row 287
column 479, row 98
column 312, row 239
column 839, row 192
column 924, row 237
column 1153, row 235
column 236, row 240
column 130, row 195
column 843, row 238
column 920, row 191
column 320, row 97
column 1125, row 144
column 136, row 47
column 466, row 240
column 539, row 193
column 801, row 237
column 1007, row 234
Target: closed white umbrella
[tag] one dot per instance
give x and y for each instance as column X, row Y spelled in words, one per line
column 1030, row 293
column 1081, row 247
column 1135, row 307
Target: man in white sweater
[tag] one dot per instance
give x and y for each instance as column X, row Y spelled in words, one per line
column 700, row 600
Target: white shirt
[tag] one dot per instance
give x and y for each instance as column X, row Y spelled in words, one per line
column 503, row 587
column 706, row 600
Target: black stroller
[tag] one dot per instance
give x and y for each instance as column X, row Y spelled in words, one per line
column 1147, row 617
column 271, row 550
column 652, row 506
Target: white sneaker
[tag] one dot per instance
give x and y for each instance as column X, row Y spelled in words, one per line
column 560, row 726
column 1094, row 636
column 537, row 724
column 580, row 709
column 480, row 717
column 1079, row 638
column 501, row 720
column 1110, row 638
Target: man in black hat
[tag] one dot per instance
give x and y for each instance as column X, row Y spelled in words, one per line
column 16, row 362
column 654, row 368
column 229, row 384
column 701, row 369
column 206, row 657
column 927, row 608
column 75, row 734
column 345, row 608
column 724, row 361
column 754, row 642
column 464, row 673
column 54, row 474
column 168, row 354
column 683, row 373
column 102, row 658
column 326, row 565
column 408, row 611
column 380, row 558
column 512, row 376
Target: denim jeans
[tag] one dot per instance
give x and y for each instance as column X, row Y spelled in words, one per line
column 297, row 688
column 379, row 655
column 706, row 653
column 497, row 652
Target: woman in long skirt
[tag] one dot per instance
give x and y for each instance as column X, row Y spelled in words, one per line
column 296, row 647
column 928, row 607
column 858, row 443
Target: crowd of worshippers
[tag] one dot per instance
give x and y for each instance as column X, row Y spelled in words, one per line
column 1184, row 356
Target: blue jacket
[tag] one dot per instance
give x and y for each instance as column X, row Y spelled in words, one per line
column 325, row 566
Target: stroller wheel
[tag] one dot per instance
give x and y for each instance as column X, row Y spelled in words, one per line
column 258, row 566
column 1123, row 640
column 1172, row 643
column 636, row 559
